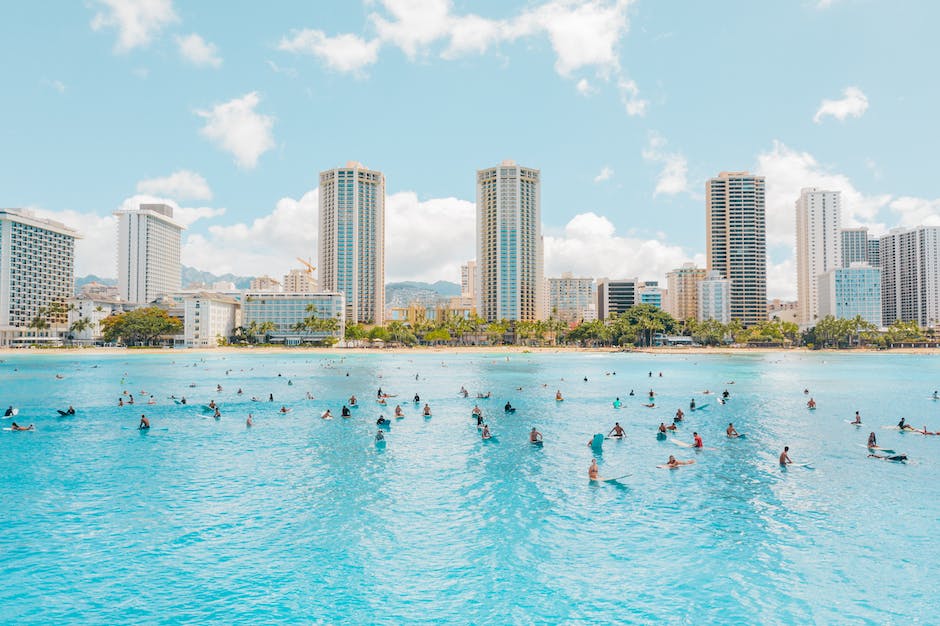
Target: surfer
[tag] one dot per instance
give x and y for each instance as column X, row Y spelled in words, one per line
column 327, row 415
column 731, row 432
column 535, row 436
column 617, row 403
column 697, row 441
column 673, row 462
column 144, row 423
column 558, row 397
column 616, row 431
column 692, row 404
column 486, row 432
column 679, row 416
column 872, row 440
column 398, row 411
column 477, row 410
column 785, row 456
column 417, row 398
column 900, row 458
column 345, row 412
column 593, row 471
column 811, row 404
column 426, row 410
column 858, row 419
column 352, row 400
column 9, row 411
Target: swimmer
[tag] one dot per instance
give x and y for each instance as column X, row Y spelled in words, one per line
column 697, row 441
column 731, row 432
column 535, row 436
column 249, row 422
column 144, row 423
column 426, row 410
column 616, row 431
column 785, row 456
column 858, row 419
column 593, row 471
column 486, row 432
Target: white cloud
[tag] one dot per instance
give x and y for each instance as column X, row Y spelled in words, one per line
column 198, row 51
column 343, row 53
column 428, row 240
column 179, row 185
column 137, row 21
column 277, row 69
column 590, row 246
column 584, row 87
column 58, row 85
column 854, row 103
column 916, row 211
column 781, row 280
column 236, row 127
column 673, row 178
column 184, row 215
column 787, row 171
column 630, row 97
column 606, row 173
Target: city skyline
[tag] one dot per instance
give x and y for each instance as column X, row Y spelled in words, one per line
column 630, row 176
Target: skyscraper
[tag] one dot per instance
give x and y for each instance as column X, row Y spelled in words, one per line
column 910, row 275
column 736, row 241
column 509, row 243
column 818, row 245
column 37, row 268
column 854, row 246
column 352, row 240
column 148, row 252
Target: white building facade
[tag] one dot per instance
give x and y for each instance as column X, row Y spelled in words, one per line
column 714, row 298
column 352, row 240
column 510, row 260
column 910, row 279
column 286, row 310
column 300, row 281
column 847, row 292
column 37, row 269
column 681, row 299
column 818, row 245
column 209, row 318
column 148, row 253
column 91, row 311
column 572, row 299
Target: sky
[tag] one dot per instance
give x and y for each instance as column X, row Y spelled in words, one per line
column 228, row 111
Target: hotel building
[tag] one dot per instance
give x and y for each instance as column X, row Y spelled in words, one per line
column 714, row 298
column 207, row 318
column 572, row 299
column 509, row 243
column 37, row 268
column 847, row 292
column 736, row 241
column 681, row 299
column 148, row 252
column 818, row 245
column 352, row 240
column 286, row 310
column 910, row 278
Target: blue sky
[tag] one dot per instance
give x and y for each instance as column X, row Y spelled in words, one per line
column 230, row 111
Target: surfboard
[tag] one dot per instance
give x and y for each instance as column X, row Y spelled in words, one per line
column 681, row 443
column 700, row 407
column 877, row 448
column 618, row 437
column 689, row 462
column 26, row 430
column 537, row 444
column 852, row 423
column 806, row 465
column 740, row 436
column 491, row 439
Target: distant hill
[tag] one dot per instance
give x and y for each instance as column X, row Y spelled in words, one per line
column 80, row 281
column 441, row 287
column 413, row 292
column 191, row 275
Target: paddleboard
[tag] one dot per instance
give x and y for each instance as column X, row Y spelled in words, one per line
column 682, row 443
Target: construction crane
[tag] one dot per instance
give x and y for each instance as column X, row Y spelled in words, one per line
column 309, row 268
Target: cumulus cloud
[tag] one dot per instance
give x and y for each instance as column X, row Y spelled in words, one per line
column 916, row 211
column 180, row 185
column 781, row 280
column 236, row 127
column 606, row 173
column 584, row 35
column 198, row 51
column 584, row 87
column 57, row 85
column 184, row 215
column 136, row 21
column 853, row 103
column 673, row 178
column 590, row 246
column 428, row 240
column 343, row 53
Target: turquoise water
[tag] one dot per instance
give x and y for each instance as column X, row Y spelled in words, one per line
column 303, row 519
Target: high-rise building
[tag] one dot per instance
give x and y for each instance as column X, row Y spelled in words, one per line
column 910, row 277
column 874, row 255
column 509, row 243
column 818, row 245
column 468, row 280
column 37, row 269
column 714, row 298
column 264, row 283
column 352, row 240
column 736, row 241
column 300, row 281
column 572, row 299
column 854, row 246
column 681, row 300
column 847, row 292
column 614, row 297
column 148, row 253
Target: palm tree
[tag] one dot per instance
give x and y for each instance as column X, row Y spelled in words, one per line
column 79, row 326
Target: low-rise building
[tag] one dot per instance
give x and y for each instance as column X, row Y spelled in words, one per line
column 85, row 314
column 847, row 292
column 286, row 311
column 209, row 318
column 572, row 299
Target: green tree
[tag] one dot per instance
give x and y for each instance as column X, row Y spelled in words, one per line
column 143, row 325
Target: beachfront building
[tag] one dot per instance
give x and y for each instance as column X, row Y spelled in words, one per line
column 148, row 252
column 85, row 313
column 264, row 283
column 910, row 279
column 818, row 245
column 286, row 310
column 572, row 299
column 352, row 240
column 300, row 281
column 614, row 297
column 208, row 319
column 714, row 298
column 681, row 299
column 37, row 269
column 509, row 243
column 649, row 292
column 736, row 241
column 847, row 292
column 468, row 280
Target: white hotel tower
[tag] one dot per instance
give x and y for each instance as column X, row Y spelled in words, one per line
column 352, row 240
column 148, row 253
column 509, row 244
column 818, row 245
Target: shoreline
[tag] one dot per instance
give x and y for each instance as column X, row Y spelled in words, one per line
column 455, row 350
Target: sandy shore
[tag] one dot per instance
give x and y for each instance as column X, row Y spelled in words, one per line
column 445, row 350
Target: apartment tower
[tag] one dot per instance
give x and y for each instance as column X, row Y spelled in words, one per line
column 148, row 253
column 818, row 245
column 352, row 240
